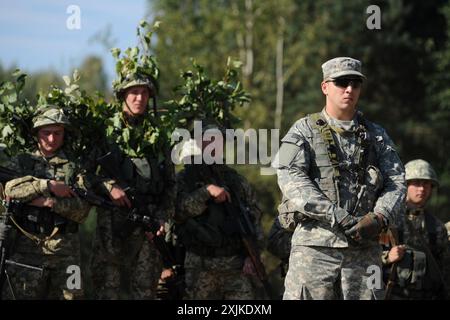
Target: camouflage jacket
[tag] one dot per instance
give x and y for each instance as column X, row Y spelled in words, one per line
column 417, row 229
column 306, row 205
column 37, row 171
column 194, row 203
column 151, row 180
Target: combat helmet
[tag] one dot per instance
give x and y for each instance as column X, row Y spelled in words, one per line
column 420, row 170
column 49, row 114
column 133, row 79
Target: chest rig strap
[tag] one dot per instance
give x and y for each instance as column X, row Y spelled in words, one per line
column 363, row 145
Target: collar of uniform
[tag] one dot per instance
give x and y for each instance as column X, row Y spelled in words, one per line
column 341, row 126
column 414, row 210
column 59, row 158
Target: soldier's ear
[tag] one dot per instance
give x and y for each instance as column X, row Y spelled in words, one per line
column 324, row 87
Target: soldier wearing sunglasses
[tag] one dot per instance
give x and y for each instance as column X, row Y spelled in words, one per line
column 343, row 184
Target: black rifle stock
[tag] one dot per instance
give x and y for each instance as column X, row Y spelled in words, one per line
column 247, row 233
column 12, row 207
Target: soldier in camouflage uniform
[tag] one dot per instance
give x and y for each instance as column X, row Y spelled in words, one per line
column 125, row 263
column 46, row 233
column 419, row 275
column 216, row 263
column 342, row 183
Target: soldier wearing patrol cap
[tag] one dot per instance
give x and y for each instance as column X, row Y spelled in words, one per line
column 342, row 183
column 46, row 229
column 423, row 248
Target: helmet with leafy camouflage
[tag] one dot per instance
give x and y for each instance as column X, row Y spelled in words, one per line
column 420, row 170
column 50, row 114
column 131, row 80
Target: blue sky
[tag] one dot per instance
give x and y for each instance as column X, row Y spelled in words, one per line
column 34, row 35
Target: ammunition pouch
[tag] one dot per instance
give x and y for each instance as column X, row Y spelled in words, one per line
column 414, row 278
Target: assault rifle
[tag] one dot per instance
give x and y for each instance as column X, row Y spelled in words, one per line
column 136, row 214
column 247, row 232
column 12, row 208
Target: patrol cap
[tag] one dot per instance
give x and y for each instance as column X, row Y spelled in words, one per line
column 420, row 170
column 50, row 114
column 340, row 67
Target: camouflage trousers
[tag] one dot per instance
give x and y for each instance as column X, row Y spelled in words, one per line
column 218, row 278
column 61, row 278
column 322, row 273
column 123, row 268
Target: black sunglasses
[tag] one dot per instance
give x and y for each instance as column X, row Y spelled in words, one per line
column 345, row 82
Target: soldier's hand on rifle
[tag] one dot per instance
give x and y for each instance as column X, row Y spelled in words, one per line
column 119, row 197
column 167, row 273
column 396, row 253
column 368, row 227
column 42, row 202
column 160, row 232
column 248, row 267
column 60, row 189
column 219, row 194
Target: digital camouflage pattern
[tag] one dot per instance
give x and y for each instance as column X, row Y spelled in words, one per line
column 421, row 170
column 121, row 247
column 416, row 277
column 217, row 275
column 340, row 67
column 308, row 210
column 51, row 115
column 58, row 252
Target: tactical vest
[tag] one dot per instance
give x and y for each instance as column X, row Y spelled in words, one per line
column 43, row 220
column 144, row 175
column 416, row 279
column 327, row 163
column 214, row 233
column 146, row 178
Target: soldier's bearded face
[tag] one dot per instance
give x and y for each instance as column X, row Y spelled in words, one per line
column 50, row 139
column 419, row 191
column 136, row 99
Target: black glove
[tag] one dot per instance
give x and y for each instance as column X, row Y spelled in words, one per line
column 4, row 229
column 344, row 219
column 368, row 228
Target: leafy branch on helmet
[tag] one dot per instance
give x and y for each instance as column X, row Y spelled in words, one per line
column 86, row 114
column 138, row 64
column 201, row 98
column 137, row 67
column 16, row 116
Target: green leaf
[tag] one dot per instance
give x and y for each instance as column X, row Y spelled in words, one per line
column 115, row 52
column 7, row 131
column 76, row 75
column 12, row 98
column 66, row 80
